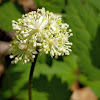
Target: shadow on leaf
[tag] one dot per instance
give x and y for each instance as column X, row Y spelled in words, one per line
column 95, row 52
column 55, row 89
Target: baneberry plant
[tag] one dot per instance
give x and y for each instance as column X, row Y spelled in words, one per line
column 39, row 32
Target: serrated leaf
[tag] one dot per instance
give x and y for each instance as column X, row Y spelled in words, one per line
column 84, row 22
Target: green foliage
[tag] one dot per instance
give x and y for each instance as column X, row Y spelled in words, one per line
column 47, row 83
column 95, row 4
column 85, row 23
column 53, row 78
column 56, row 6
column 8, row 12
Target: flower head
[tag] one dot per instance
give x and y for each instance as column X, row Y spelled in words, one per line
column 40, row 31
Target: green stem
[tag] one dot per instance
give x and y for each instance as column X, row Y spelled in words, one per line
column 30, row 78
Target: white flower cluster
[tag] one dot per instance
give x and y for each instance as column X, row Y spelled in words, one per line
column 40, row 31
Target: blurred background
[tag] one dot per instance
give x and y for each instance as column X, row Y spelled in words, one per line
column 73, row 77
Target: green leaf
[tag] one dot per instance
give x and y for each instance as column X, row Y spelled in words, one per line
column 95, row 4
column 83, row 20
column 47, row 82
column 8, row 12
column 55, row 6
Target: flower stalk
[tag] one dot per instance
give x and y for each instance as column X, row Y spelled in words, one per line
column 30, row 78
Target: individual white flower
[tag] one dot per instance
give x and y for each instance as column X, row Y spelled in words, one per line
column 40, row 31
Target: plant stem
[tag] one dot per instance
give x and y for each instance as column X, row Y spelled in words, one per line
column 30, row 77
